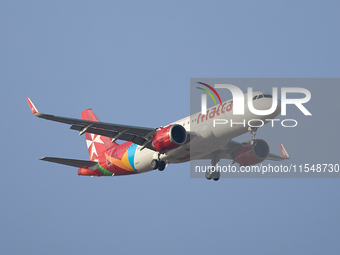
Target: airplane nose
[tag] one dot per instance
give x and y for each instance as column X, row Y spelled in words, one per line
column 277, row 110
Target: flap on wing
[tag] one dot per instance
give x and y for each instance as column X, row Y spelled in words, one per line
column 222, row 154
column 226, row 152
column 72, row 162
column 108, row 133
column 229, row 150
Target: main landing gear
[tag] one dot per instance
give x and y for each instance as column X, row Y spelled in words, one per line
column 158, row 164
column 215, row 175
column 212, row 173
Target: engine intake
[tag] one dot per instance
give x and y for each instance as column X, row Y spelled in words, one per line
column 252, row 154
column 170, row 137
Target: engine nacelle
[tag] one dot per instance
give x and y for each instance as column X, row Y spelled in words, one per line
column 170, row 137
column 252, row 154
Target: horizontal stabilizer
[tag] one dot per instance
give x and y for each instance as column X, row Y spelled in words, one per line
column 72, row 162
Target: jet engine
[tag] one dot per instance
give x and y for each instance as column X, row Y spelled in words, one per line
column 170, row 137
column 249, row 154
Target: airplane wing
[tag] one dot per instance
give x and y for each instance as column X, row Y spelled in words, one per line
column 72, row 162
column 138, row 135
column 229, row 150
column 284, row 153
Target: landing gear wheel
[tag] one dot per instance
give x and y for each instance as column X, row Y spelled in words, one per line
column 154, row 164
column 208, row 175
column 216, row 176
column 161, row 165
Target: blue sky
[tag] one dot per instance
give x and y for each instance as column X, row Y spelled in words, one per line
column 131, row 62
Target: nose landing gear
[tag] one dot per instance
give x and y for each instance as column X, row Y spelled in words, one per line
column 253, row 133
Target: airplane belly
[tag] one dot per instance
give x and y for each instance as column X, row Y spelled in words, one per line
column 130, row 161
column 143, row 158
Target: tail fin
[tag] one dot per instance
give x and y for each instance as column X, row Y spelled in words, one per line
column 96, row 144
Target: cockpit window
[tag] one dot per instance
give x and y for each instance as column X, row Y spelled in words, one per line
column 262, row 96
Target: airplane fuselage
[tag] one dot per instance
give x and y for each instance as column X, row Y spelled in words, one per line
column 210, row 135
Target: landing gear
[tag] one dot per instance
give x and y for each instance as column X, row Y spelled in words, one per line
column 155, row 164
column 161, row 165
column 253, row 133
column 208, row 175
column 212, row 173
column 215, row 175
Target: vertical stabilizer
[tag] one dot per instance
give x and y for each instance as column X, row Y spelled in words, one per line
column 96, row 144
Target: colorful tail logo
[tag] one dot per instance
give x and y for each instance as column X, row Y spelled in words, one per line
column 96, row 144
column 204, row 97
column 209, row 93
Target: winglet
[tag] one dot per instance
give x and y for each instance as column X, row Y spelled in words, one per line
column 32, row 107
column 283, row 151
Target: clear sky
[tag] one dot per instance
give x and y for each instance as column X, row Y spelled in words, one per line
column 131, row 62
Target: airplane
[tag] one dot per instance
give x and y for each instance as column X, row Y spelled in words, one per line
column 191, row 138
